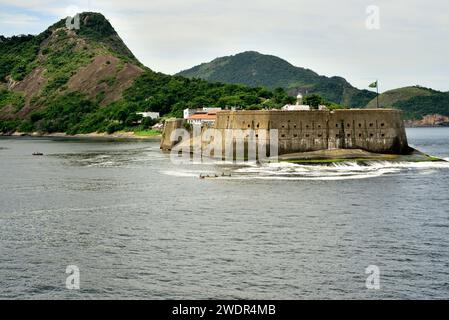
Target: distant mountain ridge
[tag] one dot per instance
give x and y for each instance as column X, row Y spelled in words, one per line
column 255, row 69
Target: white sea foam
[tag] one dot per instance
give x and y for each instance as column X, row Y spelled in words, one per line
column 349, row 170
column 182, row 173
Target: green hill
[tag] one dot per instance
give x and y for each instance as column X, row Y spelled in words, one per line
column 416, row 101
column 389, row 98
column 87, row 80
column 255, row 69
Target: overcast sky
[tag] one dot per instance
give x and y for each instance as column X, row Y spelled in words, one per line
column 330, row 37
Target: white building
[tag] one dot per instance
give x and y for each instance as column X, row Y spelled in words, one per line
column 211, row 110
column 295, row 107
column 202, row 119
column 190, row 112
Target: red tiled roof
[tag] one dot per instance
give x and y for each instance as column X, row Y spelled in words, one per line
column 199, row 116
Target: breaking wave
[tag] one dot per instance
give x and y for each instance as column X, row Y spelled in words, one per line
column 337, row 171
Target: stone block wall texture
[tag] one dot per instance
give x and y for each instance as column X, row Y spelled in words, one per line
column 374, row 130
column 170, row 126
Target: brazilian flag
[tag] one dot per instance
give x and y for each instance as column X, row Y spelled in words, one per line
column 373, row 85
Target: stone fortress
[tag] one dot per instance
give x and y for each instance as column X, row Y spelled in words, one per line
column 378, row 131
column 372, row 130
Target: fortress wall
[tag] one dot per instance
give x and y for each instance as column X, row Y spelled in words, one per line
column 376, row 130
column 170, row 126
column 380, row 131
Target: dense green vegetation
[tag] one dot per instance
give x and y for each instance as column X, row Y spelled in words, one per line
column 389, row 98
column 415, row 101
column 17, row 55
column 62, row 61
column 96, row 29
column 99, row 33
column 419, row 106
column 13, row 99
column 74, row 113
column 255, row 69
column 171, row 95
column 315, row 100
column 63, row 114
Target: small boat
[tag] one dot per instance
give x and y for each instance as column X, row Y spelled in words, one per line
column 208, row 177
column 38, row 154
column 215, row 176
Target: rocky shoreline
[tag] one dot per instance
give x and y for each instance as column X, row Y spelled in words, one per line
column 429, row 121
column 357, row 155
column 95, row 135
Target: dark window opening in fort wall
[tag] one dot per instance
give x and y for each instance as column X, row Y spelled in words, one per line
column 301, row 131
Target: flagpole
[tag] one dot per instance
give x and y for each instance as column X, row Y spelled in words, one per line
column 377, row 87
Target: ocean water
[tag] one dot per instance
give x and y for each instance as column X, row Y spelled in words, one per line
column 139, row 227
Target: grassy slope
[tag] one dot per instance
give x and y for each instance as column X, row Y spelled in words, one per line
column 416, row 101
column 389, row 98
column 419, row 106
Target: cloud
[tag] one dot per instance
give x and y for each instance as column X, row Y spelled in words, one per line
column 327, row 36
column 13, row 24
column 17, row 19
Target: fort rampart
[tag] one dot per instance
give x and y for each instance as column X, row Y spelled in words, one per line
column 374, row 130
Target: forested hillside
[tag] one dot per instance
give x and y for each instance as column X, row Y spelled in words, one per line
column 255, row 69
column 87, row 80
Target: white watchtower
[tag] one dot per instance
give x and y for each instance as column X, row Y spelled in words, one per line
column 299, row 100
